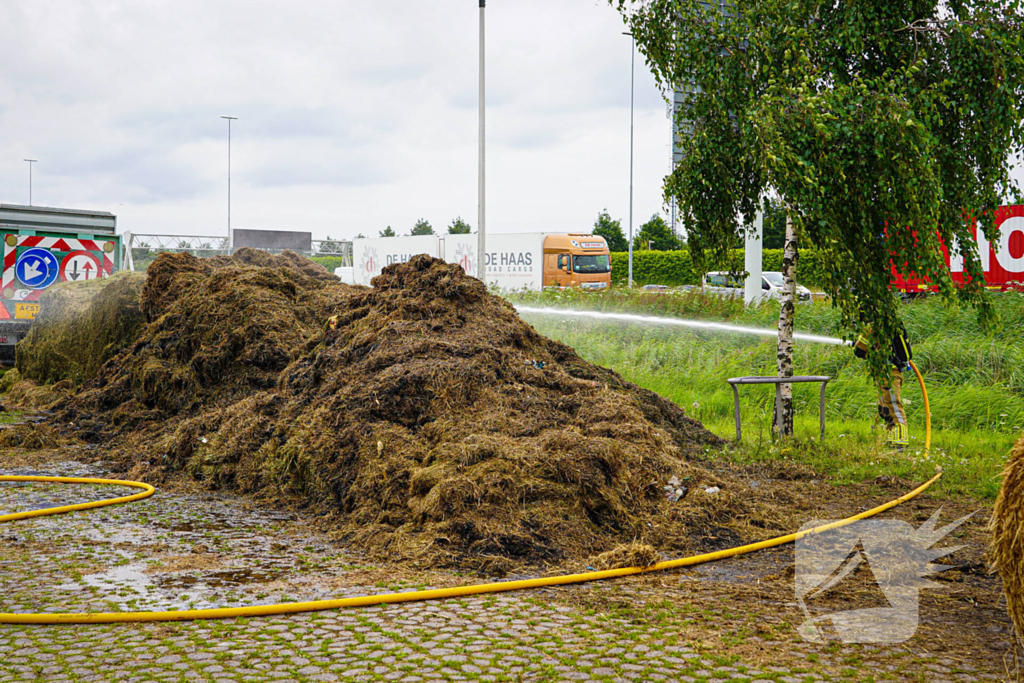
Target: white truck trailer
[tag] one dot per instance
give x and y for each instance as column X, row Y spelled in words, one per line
column 513, row 260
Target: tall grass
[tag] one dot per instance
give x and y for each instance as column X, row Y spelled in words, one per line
column 975, row 382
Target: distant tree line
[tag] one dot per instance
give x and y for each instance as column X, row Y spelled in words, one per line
column 654, row 235
column 657, row 235
column 423, row 227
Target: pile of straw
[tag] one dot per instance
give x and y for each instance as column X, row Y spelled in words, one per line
column 81, row 326
column 1007, row 549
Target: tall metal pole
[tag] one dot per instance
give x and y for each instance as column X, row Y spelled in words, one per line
column 752, row 260
column 632, row 77
column 481, row 235
column 231, row 245
column 30, row 162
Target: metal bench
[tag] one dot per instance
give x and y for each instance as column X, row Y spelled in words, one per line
column 734, row 382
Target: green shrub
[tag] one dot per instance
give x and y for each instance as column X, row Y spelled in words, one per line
column 328, row 262
column 675, row 268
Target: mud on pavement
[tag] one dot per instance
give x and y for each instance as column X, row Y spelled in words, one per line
column 733, row 620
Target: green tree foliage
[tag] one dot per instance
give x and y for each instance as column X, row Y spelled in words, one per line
column 611, row 231
column 878, row 124
column 459, row 227
column 387, row 232
column 422, row 227
column 656, row 235
column 773, row 226
column 361, row 236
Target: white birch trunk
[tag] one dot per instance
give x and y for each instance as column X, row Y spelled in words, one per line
column 782, row 421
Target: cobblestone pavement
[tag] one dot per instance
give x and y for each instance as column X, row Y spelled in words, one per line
column 730, row 622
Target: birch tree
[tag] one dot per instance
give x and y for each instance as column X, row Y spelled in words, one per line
column 782, row 424
column 883, row 127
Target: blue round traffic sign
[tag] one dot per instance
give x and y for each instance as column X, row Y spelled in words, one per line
column 36, row 268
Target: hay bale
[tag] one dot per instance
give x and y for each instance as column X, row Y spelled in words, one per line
column 417, row 419
column 1007, row 526
column 80, row 327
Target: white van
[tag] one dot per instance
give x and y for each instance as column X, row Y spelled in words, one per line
column 725, row 284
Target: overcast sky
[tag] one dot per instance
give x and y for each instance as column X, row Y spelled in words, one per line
column 352, row 115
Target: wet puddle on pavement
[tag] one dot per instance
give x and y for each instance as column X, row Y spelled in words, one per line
column 172, row 551
column 179, row 551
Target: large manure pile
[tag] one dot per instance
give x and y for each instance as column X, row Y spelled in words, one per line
column 422, row 415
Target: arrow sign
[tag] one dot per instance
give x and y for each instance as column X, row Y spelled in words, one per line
column 79, row 266
column 37, row 268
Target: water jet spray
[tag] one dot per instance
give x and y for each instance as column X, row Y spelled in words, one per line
column 679, row 322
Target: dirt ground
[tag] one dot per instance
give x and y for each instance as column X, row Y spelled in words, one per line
column 734, row 620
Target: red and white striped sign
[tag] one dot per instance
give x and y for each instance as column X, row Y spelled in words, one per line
column 55, row 244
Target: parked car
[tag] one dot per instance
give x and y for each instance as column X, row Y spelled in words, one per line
column 726, row 284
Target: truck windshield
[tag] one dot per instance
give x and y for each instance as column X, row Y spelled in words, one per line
column 591, row 264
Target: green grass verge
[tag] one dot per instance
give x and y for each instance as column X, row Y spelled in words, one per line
column 975, row 381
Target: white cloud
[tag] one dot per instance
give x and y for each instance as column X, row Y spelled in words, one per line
column 352, row 116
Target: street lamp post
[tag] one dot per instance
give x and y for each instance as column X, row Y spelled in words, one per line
column 30, row 162
column 231, row 240
column 481, row 238
column 632, row 77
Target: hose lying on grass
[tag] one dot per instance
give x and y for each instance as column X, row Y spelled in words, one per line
column 436, row 594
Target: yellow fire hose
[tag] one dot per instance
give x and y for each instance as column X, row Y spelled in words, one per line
column 927, row 413
column 146, row 493
column 388, row 598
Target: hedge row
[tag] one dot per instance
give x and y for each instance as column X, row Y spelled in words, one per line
column 328, row 262
column 675, row 268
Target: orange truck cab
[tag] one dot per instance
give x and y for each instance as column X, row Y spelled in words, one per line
column 577, row 260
